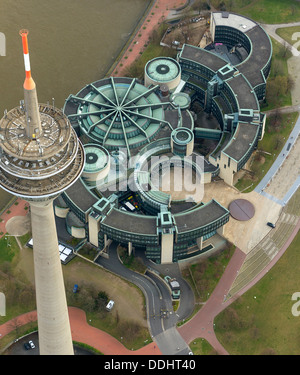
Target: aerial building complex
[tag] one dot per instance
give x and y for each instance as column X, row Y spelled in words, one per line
column 124, row 123
column 41, row 156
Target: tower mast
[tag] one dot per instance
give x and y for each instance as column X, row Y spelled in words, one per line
column 41, row 157
column 33, row 121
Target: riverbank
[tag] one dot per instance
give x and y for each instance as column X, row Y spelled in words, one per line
column 156, row 14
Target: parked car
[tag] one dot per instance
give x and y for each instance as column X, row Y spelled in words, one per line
column 110, row 305
column 27, row 346
column 31, row 344
column 271, row 224
column 174, row 285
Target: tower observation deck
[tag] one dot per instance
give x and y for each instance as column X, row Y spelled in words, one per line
column 44, row 166
column 40, row 157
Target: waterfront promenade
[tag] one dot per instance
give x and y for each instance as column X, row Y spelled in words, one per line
column 156, row 15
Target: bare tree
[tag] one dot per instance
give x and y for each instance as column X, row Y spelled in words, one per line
column 278, row 67
column 15, row 325
column 290, row 83
column 284, row 49
column 278, row 142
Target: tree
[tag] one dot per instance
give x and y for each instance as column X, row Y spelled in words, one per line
column 101, row 300
column 284, row 49
column 290, row 83
column 276, row 87
column 278, row 67
column 15, row 324
column 222, row 6
column 200, row 5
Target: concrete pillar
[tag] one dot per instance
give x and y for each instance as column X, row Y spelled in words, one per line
column 220, row 230
column 94, row 226
column 33, row 120
column 52, row 310
column 200, row 242
column 129, row 248
column 167, row 245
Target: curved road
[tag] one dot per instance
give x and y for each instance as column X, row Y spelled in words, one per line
column 161, row 317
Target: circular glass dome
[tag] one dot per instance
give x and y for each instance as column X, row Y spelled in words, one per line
column 96, row 158
column 162, row 69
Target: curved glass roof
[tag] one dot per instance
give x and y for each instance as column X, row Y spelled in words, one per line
column 96, row 158
column 163, row 69
column 117, row 112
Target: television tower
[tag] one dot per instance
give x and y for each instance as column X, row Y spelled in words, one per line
column 40, row 157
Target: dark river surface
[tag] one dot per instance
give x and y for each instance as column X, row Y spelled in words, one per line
column 71, row 43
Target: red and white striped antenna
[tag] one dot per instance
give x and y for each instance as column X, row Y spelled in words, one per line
column 33, row 120
column 29, row 83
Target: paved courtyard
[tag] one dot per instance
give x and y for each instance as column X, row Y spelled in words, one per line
column 244, row 234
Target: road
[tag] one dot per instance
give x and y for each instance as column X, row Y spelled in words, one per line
column 160, row 315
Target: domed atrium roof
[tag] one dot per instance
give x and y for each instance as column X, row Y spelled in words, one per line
column 116, row 112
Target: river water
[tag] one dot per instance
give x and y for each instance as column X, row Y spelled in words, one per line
column 71, row 43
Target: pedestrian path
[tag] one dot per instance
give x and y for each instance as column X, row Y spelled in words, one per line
column 85, row 333
column 156, row 15
column 18, row 208
column 289, row 186
column 201, row 325
column 263, row 253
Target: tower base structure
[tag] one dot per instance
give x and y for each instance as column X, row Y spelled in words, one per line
column 53, row 318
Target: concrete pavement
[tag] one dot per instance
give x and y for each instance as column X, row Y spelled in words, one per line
column 282, row 179
column 201, row 325
column 271, row 30
column 156, row 15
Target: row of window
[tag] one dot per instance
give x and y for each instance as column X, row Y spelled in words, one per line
column 199, row 232
column 232, row 37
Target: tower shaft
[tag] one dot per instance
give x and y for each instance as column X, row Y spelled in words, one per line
column 53, row 319
column 33, row 120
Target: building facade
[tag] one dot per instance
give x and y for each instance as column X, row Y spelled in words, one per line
column 133, row 122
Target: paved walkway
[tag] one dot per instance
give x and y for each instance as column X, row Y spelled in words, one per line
column 85, row 333
column 201, row 325
column 289, row 185
column 11, row 212
column 271, row 30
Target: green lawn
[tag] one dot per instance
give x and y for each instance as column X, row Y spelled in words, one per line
column 277, row 91
column 8, row 249
column 261, row 321
column 272, row 143
column 265, row 11
column 287, row 34
column 204, row 275
column 20, row 296
column 127, row 319
column 201, row 347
